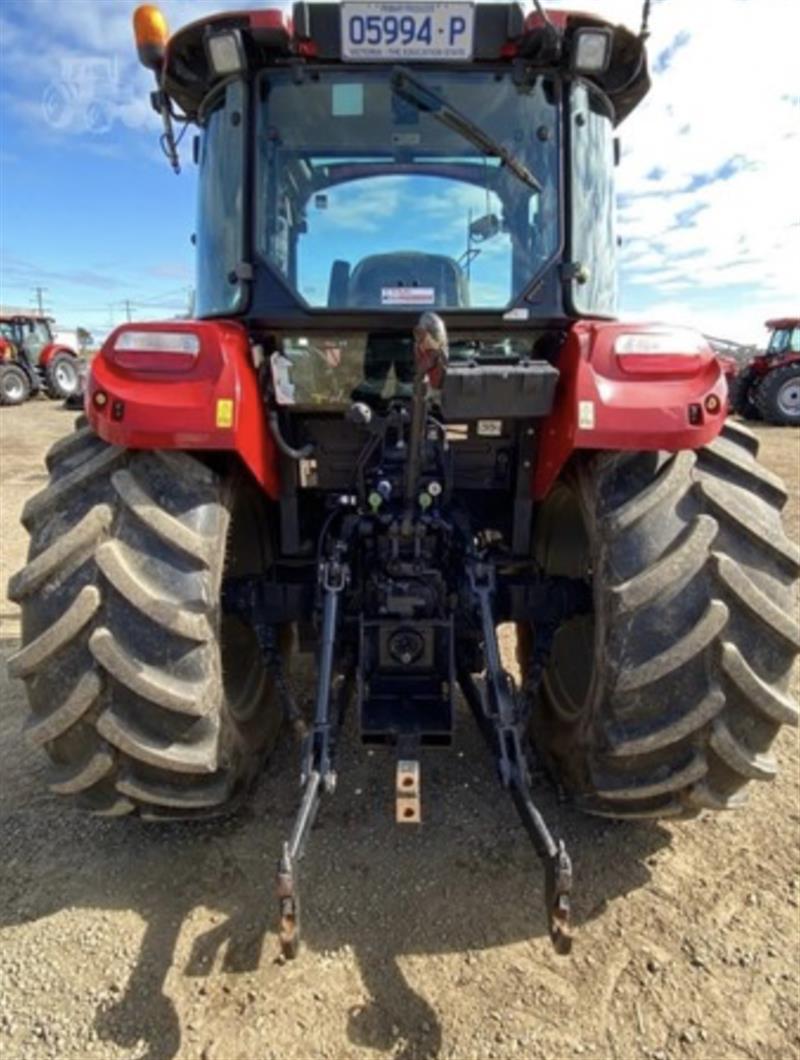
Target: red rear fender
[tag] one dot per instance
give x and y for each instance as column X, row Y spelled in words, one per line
column 49, row 352
column 147, row 396
column 621, row 387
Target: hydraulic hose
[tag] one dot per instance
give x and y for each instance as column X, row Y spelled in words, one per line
column 282, row 444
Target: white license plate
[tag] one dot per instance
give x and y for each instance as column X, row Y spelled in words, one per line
column 412, row 30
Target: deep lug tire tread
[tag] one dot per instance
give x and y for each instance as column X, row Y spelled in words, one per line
column 120, row 648
column 696, row 633
column 766, row 396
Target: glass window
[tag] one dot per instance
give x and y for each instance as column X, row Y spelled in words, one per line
column 331, row 370
column 785, row 340
column 594, row 241
column 36, row 337
column 219, row 220
column 367, row 198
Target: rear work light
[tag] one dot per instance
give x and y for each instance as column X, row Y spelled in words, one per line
column 670, row 350
column 184, row 343
column 591, row 50
column 226, row 52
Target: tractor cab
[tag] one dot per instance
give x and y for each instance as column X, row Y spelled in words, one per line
column 784, row 338
column 358, row 166
column 28, row 334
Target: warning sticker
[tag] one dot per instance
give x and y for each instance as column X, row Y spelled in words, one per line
column 586, row 415
column 408, row 296
column 225, row 412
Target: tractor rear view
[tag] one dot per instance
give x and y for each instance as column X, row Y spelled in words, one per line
column 406, row 414
column 32, row 360
column 768, row 388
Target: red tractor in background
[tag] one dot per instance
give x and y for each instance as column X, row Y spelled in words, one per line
column 32, row 360
column 768, row 388
column 405, row 414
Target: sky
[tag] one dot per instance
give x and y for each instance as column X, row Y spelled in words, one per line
column 708, row 207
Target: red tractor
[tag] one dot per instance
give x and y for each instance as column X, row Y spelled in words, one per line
column 405, row 414
column 32, row 360
column 768, row 388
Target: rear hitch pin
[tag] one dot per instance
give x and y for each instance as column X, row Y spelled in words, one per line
column 408, row 804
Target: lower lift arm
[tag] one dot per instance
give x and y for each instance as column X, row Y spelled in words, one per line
column 504, row 726
column 318, row 773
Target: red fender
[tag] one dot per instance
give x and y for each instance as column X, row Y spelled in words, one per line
column 145, row 398
column 644, row 401
column 49, row 352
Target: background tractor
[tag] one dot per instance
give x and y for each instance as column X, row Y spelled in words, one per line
column 33, row 360
column 768, row 387
column 405, row 414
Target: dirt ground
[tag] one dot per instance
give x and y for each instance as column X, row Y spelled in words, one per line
column 120, row 939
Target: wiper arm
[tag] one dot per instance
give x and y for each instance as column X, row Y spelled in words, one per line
column 406, row 85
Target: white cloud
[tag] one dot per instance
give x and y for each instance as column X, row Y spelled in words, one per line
column 708, row 178
column 709, row 215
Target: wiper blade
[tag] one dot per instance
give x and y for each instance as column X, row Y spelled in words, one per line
column 406, row 85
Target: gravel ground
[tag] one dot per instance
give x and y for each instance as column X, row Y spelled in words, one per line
column 128, row 940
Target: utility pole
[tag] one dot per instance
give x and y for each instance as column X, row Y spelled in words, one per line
column 39, row 299
column 128, row 309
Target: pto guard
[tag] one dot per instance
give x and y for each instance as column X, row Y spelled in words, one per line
column 666, row 401
column 152, row 399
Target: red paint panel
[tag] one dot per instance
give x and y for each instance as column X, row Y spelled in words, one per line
column 49, row 352
column 177, row 409
column 629, row 411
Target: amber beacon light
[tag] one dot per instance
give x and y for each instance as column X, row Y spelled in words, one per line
column 150, row 31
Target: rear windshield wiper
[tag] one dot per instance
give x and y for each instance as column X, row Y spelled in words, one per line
column 406, row 85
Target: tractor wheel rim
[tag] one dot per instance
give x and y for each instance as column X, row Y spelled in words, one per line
column 789, row 397
column 66, row 377
column 13, row 388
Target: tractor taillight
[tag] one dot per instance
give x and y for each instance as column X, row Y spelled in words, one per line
column 158, row 350
column 183, row 342
column 679, row 351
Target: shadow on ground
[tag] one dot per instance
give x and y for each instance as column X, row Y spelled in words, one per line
column 466, row 880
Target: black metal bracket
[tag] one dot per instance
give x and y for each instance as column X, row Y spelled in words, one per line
column 503, row 723
column 318, row 773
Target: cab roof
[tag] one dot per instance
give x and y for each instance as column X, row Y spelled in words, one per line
column 503, row 33
column 783, row 322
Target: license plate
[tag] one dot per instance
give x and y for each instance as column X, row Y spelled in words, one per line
column 413, row 30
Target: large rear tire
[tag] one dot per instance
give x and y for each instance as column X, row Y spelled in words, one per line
column 778, row 396
column 15, row 387
column 62, row 376
column 741, row 395
column 666, row 699
column 147, row 698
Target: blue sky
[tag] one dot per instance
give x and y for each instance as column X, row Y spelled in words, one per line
column 708, row 208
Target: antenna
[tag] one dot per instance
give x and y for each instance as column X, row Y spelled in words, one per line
column 644, row 32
